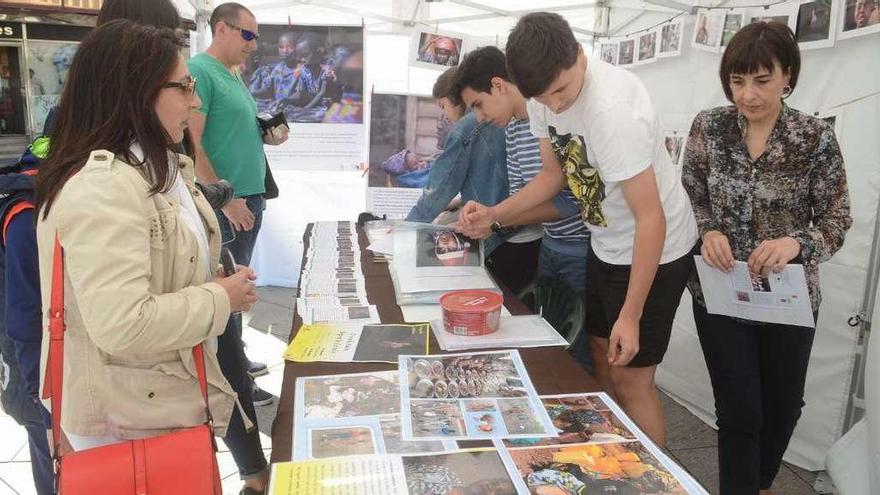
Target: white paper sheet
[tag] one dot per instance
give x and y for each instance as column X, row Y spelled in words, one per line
column 781, row 298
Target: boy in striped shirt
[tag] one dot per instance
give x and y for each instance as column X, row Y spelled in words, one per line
column 484, row 86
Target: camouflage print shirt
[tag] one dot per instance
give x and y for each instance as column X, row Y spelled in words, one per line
column 797, row 188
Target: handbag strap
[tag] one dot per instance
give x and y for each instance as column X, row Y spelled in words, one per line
column 54, row 377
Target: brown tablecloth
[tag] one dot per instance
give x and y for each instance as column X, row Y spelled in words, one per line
column 552, row 369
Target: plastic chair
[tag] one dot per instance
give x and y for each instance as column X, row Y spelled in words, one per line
column 558, row 303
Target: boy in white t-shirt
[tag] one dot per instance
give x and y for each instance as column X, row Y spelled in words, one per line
column 599, row 134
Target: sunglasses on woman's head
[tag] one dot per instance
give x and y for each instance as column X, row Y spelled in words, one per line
column 245, row 34
column 188, row 85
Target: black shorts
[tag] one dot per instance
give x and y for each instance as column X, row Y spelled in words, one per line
column 606, row 292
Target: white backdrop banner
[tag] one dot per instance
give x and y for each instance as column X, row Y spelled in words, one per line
column 844, row 77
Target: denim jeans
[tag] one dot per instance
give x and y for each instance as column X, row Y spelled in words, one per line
column 758, row 373
column 244, row 445
column 241, row 243
column 572, row 269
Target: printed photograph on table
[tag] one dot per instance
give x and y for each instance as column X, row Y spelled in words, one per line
column 437, row 50
column 816, row 24
column 708, row 29
column 395, row 444
column 647, row 47
column 626, row 467
column 437, row 419
column 479, row 472
column 608, row 53
column 459, row 396
column 386, row 342
column 341, row 441
column 670, row 39
column 446, row 248
column 48, row 63
column 346, row 396
column 626, row 52
column 584, row 418
column 311, row 74
column 859, row 17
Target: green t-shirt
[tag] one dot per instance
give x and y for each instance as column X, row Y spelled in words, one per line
column 231, row 137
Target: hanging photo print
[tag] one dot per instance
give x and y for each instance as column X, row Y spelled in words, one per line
column 49, row 62
column 626, row 52
column 816, row 24
column 670, row 38
column 437, row 50
column 734, row 20
column 785, row 13
column 406, row 133
column 674, row 142
column 859, row 17
column 313, row 76
column 647, row 52
column 608, row 52
column 708, row 30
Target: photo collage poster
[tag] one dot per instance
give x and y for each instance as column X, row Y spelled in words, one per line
column 469, row 396
column 598, row 450
column 407, row 132
column 352, row 414
column 314, row 76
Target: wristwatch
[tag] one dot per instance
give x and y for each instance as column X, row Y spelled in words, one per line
column 496, row 227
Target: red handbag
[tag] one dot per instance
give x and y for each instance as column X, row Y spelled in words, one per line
column 181, row 462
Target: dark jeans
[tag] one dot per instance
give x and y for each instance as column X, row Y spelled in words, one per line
column 758, row 374
column 42, row 465
column 241, row 244
column 244, row 445
column 514, row 264
column 572, row 269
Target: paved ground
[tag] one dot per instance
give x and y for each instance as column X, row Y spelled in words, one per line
column 691, row 441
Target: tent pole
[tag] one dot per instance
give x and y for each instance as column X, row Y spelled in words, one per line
column 855, row 407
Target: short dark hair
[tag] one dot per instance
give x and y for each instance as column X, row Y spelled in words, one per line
column 229, row 12
column 443, row 87
column 758, row 46
column 540, row 46
column 478, row 68
column 159, row 13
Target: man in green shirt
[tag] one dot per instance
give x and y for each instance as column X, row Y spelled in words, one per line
column 228, row 145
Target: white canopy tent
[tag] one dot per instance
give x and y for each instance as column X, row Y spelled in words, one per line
column 843, row 80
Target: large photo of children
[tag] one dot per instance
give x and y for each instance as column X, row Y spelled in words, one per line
column 406, row 133
column 311, row 74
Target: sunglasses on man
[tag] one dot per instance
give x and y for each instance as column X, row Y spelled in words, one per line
column 245, row 34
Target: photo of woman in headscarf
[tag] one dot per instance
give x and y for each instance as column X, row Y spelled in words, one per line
column 439, row 50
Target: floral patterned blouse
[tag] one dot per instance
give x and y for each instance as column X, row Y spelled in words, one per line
column 797, row 188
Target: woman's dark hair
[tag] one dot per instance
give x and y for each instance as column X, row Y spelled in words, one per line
column 758, row 46
column 159, row 13
column 444, row 87
column 540, row 46
column 108, row 103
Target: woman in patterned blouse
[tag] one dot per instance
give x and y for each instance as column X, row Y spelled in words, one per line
column 768, row 187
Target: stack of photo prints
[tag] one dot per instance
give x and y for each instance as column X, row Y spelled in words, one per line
column 399, row 432
column 332, row 280
column 430, row 260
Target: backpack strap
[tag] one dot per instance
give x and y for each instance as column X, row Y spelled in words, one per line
column 15, row 210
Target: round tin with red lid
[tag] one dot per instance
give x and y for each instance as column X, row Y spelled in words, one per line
column 471, row 312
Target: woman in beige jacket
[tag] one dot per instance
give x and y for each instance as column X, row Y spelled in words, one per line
column 141, row 245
